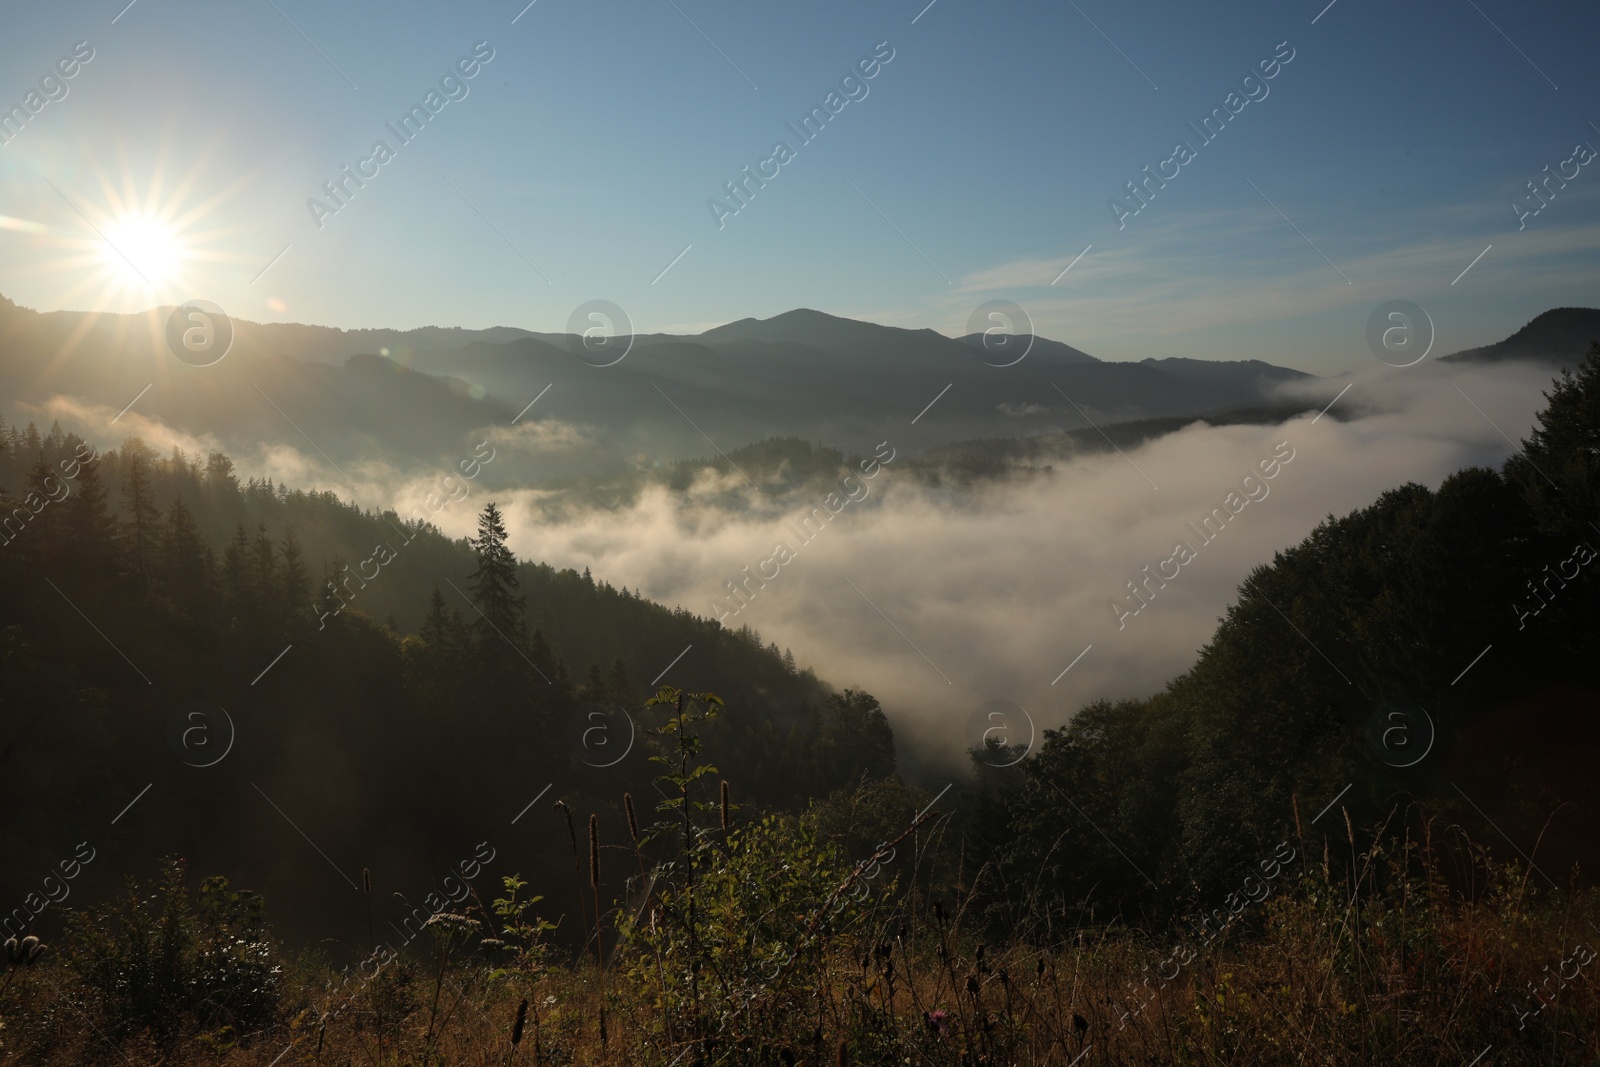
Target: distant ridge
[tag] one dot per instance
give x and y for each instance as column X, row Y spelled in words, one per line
column 432, row 395
column 833, row 335
column 1560, row 336
column 1042, row 346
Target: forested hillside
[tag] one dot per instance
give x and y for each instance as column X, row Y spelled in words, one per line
column 1358, row 825
column 1434, row 651
column 396, row 696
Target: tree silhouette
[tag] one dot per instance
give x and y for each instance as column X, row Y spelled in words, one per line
column 495, row 592
column 142, row 525
column 1558, row 468
column 293, row 578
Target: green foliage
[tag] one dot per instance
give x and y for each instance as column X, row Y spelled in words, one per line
column 1380, row 961
column 1558, row 469
column 765, row 911
column 522, row 934
column 213, row 576
column 164, row 961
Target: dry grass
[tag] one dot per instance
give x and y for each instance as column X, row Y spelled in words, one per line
column 1387, row 964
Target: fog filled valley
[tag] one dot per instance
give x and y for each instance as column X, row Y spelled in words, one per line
column 876, row 563
column 369, row 702
column 699, row 534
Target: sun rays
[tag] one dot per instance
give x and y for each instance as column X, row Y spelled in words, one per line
column 135, row 238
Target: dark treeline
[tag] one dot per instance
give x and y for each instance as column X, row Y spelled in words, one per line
column 1327, row 672
column 427, row 689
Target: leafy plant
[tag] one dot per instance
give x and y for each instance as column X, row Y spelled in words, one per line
column 158, row 960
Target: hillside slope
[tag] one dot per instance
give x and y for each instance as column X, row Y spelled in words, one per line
column 1561, row 336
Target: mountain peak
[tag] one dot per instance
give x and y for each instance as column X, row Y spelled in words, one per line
column 806, row 326
column 1560, row 335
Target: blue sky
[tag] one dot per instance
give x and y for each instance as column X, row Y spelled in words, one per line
column 978, row 166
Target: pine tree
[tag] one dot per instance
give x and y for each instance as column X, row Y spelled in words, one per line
column 89, row 527
column 42, row 538
column 142, row 525
column 439, row 657
column 264, row 561
column 594, row 686
column 1558, row 467
column 328, row 599
column 294, row 582
column 264, row 577
column 183, row 482
column 236, row 574
column 544, row 660
column 860, row 734
column 441, row 627
column 622, row 691
column 219, row 474
column 494, row 585
column 185, row 568
column 9, row 525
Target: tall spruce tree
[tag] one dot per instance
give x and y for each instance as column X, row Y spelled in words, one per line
column 264, row 578
column 293, row 579
column 141, row 527
column 185, row 570
column 90, row 528
column 441, row 627
column 42, row 541
column 236, row 573
column 494, row 586
column 1558, row 468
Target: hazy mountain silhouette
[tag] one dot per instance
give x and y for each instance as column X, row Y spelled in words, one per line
column 847, row 382
column 1561, row 336
column 424, row 396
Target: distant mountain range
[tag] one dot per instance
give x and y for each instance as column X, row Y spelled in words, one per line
column 422, row 396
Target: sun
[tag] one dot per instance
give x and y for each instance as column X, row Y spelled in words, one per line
column 143, row 247
column 144, row 234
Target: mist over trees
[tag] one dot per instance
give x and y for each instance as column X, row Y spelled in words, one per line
column 789, row 867
column 133, row 584
column 1315, row 677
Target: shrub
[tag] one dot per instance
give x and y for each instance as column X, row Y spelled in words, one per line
column 161, row 961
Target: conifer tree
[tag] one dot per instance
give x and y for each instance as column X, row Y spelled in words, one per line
column 185, row 565
column 1558, row 467
column 594, row 684
column 89, row 527
column 7, row 532
column 494, row 584
column 293, row 581
column 45, row 491
column 236, row 576
column 264, row 577
column 443, row 630
column 142, row 526
column 219, row 474
column 264, row 560
column 622, row 691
